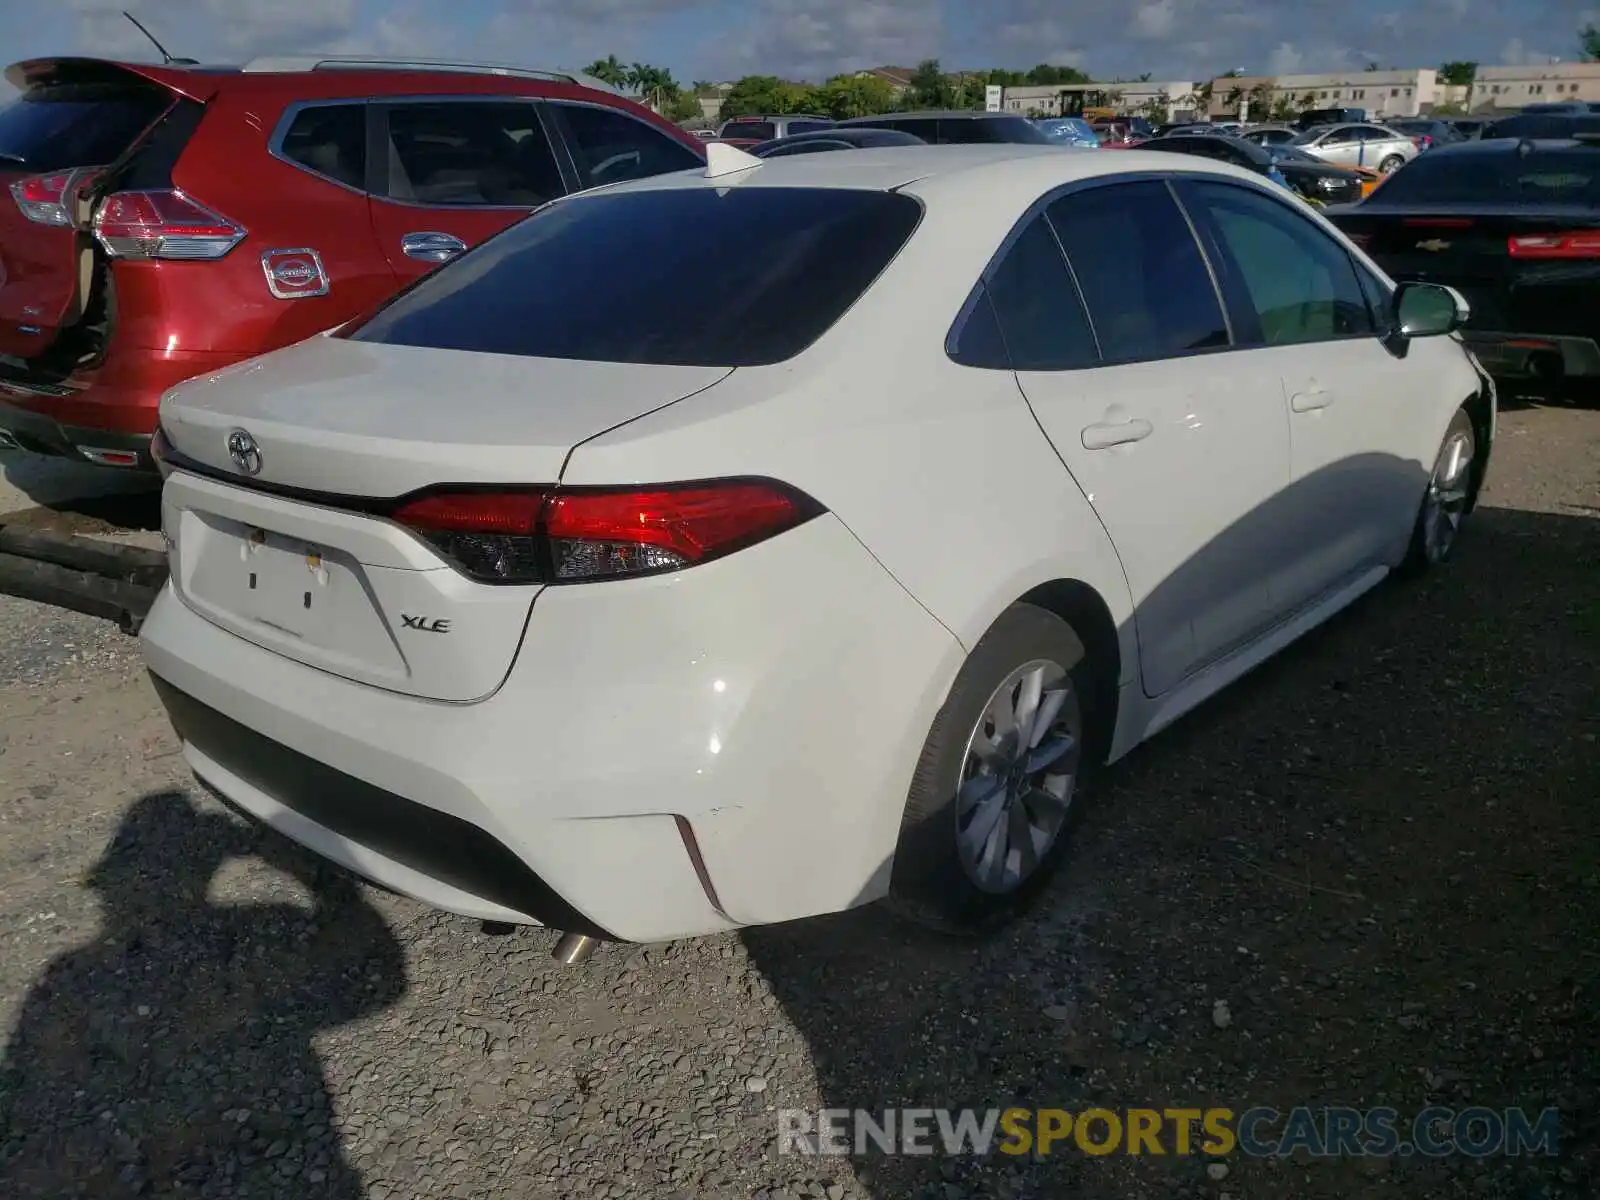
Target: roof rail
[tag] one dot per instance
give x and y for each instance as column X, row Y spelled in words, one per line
column 291, row 64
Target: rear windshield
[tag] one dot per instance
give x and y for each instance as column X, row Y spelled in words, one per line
column 1542, row 177
column 745, row 276
column 76, row 125
column 763, row 131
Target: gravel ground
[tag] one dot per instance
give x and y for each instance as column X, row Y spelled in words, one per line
column 1379, row 854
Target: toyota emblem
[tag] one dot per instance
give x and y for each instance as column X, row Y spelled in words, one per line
column 244, row 452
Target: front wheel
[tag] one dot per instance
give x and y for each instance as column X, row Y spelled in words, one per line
column 996, row 791
column 1449, row 494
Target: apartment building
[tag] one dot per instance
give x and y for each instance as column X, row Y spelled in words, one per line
column 1513, row 87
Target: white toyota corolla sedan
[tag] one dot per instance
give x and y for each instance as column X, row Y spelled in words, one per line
column 743, row 544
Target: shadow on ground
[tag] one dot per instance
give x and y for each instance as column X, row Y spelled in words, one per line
column 172, row 1055
column 1381, row 852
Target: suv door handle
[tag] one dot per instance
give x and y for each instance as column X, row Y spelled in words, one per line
column 432, row 247
column 1103, row 437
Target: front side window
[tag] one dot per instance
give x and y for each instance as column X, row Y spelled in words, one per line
column 454, row 154
column 1301, row 284
column 764, row 272
column 1146, row 285
column 609, row 146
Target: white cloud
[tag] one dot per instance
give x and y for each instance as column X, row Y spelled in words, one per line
column 1158, row 19
column 225, row 27
column 812, row 39
column 1285, row 60
column 1515, row 54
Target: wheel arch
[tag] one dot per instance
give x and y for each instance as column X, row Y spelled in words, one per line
column 1082, row 607
column 1480, row 409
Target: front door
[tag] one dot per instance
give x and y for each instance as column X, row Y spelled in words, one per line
column 1296, row 295
column 451, row 173
column 1179, row 443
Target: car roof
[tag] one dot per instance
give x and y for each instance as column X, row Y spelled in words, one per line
column 941, row 114
column 1008, row 176
column 1509, row 145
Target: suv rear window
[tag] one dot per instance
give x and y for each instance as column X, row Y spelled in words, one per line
column 613, row 278
column 762, row 131
column 1543, row 177
column 76, row 125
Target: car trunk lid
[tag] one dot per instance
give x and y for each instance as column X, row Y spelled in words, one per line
column 72, row 118
column 1491, row 254
column 300, row 557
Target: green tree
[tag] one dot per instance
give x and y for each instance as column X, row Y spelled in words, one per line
column 929, row 87
column 767, row 95
column 1260, row 100
column 685, row 106
column 1284, row 108
column 1589, row 43
column 608, row 70
column 1045, row 74
column 1458, row 74
column 846, row 96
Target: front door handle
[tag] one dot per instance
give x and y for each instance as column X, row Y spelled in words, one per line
column 1310, row 400
column 1103, row 437
column 432, row 247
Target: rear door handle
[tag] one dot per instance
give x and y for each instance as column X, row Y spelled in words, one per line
column 432, row 247
column 1310, row 400
column 1103, row 437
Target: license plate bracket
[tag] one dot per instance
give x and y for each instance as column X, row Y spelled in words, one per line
column 283, row 582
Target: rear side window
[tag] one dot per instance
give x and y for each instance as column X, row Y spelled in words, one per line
column 609, row 146
column 57, row 126
column 330, row 140
column 1148, row 289
column 968, row 132
column 614, row 277
column 808, row 126
column 1040, row 315
column 1470, row 177
column 448, row 154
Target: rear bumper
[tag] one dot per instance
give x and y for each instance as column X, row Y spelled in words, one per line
column 1534, row 355
column 772, row 705
column 111, row 407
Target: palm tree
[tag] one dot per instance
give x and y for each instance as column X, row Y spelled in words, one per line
column 608, row 70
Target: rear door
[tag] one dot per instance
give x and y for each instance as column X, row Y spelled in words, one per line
column 65, row 121
column 1180, row 444
column 449, row 173
column 1341, row 145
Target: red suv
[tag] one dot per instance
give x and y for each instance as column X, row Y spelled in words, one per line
column 160, row 222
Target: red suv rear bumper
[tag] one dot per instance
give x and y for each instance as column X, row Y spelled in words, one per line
column 102, row 414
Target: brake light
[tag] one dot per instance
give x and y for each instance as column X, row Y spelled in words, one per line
column 561, row 535
column 1584, row 243
column 43, row 199
column 1438, row 222
column 165, row 225
column 1363, row 240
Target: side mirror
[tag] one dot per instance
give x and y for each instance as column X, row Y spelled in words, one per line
column 1428, row 310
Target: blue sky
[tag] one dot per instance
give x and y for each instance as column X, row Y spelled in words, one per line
column 716, row 39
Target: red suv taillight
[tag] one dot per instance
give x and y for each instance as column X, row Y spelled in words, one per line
column 43, row 199
column 163, row 224
column 1583, row 243
column 562, row 535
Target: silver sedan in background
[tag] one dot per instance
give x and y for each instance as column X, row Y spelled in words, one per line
column 1359, row 145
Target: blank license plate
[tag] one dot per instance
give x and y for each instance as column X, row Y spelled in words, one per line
column 283, row 583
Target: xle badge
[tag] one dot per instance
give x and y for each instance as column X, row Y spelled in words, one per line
column 425, row 624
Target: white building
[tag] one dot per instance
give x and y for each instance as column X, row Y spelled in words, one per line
column 1512, row 87
column 1382, row 93
column 1157, row 101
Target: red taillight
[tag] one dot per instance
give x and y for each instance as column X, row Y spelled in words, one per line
column 571, row 535
column 163, row 224
column 1437, row 222
column 1363, row 240
column 1584, row 243
column 43, row 199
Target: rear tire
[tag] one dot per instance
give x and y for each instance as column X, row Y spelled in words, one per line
column 1391, row 164
column 997, row 791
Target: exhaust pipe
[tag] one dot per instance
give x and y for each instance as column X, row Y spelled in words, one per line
column 574, row 949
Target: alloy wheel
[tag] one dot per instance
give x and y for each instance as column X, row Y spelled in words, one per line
column 1445, row 504
column 1018, row 777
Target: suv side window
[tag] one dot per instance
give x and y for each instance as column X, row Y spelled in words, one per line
column 1148, row 290
column 466, row 153
column 609, row 146
column 330, row 140
column 1301, row 284
column 966, row 131
column 1040, row 315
